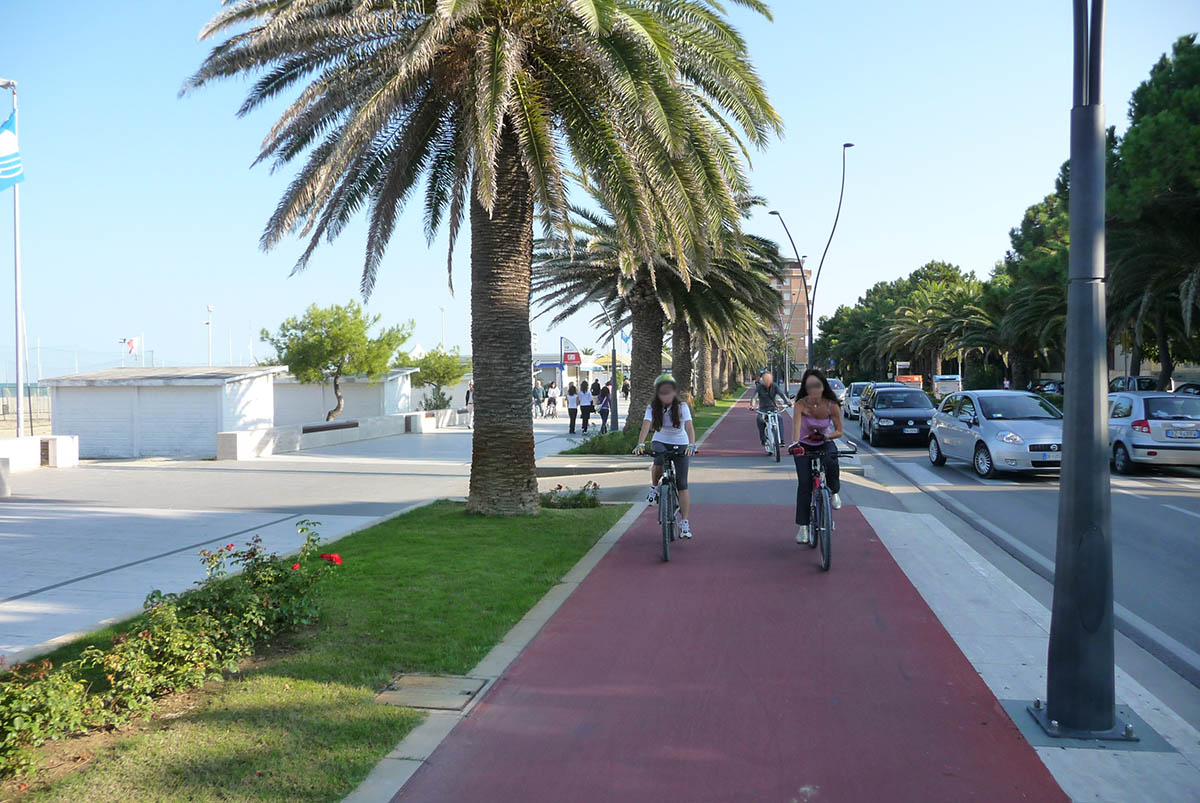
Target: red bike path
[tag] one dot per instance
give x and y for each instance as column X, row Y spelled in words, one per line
column 738, row 672
column 736, row 435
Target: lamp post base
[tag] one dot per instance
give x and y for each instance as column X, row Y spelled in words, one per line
column 1122, row 730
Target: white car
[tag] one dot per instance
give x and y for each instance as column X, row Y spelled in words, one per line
column 851, row 399
column 1155, row 428
column 997, row 430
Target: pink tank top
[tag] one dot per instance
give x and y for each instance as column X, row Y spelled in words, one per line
column 809, row 424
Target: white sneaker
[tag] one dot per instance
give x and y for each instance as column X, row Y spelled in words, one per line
column 652, row 495
column 685, row 529
column 767, row 449
column 836, row 501
column 802, row 536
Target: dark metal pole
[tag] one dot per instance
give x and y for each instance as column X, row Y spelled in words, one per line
column 1080, row 681
column 812, row 304
column 612, row 401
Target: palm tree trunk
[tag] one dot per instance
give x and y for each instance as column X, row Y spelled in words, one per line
column 731, row 378
column 681, row 357
column 646, row 351
column 704, row 380
column 1164, row 349
column 503, row 478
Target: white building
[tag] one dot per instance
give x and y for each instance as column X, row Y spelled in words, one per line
column 299, row 403
column 144, row 412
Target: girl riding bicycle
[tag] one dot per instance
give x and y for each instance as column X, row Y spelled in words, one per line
column 817, row 424
column 674, row 440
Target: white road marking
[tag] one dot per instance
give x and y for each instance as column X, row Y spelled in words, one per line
column 1184, row 512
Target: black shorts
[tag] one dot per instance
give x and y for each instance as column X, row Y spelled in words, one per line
column 677, row 455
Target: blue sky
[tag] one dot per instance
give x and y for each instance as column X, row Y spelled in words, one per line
column 140, row 208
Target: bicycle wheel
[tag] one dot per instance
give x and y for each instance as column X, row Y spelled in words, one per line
column 666, row 515
column 777, row 436
column 826, row 529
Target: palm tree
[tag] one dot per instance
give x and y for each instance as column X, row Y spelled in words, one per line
column 481, row 100
column 570, row 277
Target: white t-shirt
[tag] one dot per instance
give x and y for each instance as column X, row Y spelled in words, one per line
column 572, row 399
column 585, row 397
column 672, row 432
column 552, row 393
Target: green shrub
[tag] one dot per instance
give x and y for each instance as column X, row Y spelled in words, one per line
column 564, row 497
column 39, row 703
column 1054, row 398
column 182, row 641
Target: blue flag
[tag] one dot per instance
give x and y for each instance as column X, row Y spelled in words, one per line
column 10, row 157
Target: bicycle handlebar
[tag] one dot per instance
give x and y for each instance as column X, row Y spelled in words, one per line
column 797, row 450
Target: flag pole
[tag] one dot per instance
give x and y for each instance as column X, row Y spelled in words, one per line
column 12, row 85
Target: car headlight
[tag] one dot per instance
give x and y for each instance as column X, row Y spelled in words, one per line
column 887, row 422
column 1009, row 437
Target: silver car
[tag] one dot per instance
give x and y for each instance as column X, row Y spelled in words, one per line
column 1155, row 428
column 838, row 388
column 997, row 430
column 852, row 397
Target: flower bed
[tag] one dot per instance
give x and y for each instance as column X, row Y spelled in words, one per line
column 563, row 497
column 180, row 642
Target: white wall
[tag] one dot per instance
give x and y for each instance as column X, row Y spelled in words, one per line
column 297, row 403
column 103, row 418
column 248, row 404
column 176, row 420
column 133, row 421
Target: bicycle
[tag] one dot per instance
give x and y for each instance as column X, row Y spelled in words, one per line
column 820, row 509
column 668, row 496
column 773, row 430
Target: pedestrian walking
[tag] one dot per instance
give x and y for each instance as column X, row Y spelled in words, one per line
column 572, row 406
column 1007, row 385
column 604, row 405
column 471, row 404
column 539, row 396
column 552, row 400
column 587, row 402
column 625, row 390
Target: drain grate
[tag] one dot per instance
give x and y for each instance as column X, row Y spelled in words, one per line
column 442, row 692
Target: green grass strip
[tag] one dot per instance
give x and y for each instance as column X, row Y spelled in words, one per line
column 430, row 591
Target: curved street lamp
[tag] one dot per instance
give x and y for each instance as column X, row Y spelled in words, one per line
column 810, row 299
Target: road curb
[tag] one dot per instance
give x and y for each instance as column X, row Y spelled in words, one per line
column 391, row 774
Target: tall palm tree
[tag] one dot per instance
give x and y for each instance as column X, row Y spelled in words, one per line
column 591, row 271
column 482, row 101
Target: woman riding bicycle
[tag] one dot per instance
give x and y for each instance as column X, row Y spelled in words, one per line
column 817, row 425
column 674, row 440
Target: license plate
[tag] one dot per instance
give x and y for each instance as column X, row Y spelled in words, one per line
column 1182, row 433
column 1051, row 455
column 911, row 430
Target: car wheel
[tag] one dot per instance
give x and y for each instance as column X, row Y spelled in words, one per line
column 872, row 439
column 984, row 466
column 1122, row 461
column 935, row 452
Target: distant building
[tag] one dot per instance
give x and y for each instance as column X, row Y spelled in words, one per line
column 792, row 292
column 160, row 412
column 300, row 403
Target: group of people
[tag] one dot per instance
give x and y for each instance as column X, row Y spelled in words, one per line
column 817, row 426
column 582, row 402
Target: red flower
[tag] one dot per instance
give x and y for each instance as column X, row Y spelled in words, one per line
column 295, row 567
column 332, row 557
column 229, row 547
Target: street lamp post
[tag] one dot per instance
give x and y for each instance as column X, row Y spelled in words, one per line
column 810, row 299
column 11, row 85
column 612, row 395
column 208, row 323
column 817, row 278
column 1080, row 681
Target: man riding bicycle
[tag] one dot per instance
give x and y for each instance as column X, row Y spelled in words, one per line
column 764, row 400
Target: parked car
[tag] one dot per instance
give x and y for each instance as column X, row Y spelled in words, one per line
column 997, row 430
column 1133, row 383
column 839, row 388
column 1049, row 386
column 1189, row 389
column 1153, row 428
column 896, row 412
column 853, row 396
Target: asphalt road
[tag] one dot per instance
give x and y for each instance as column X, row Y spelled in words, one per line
column 1156, row 538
